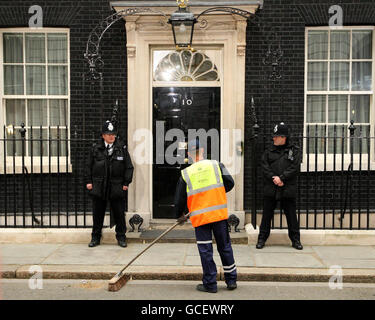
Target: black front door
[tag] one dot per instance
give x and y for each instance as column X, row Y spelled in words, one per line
column 184, row 109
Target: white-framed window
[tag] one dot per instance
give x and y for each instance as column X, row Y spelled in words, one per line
column 34, row 90
column 339, row 87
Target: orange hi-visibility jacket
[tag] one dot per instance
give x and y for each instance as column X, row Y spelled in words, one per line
column 206, row 197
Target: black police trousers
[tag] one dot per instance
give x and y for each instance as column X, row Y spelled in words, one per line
column 288, row 205
column 118, row 209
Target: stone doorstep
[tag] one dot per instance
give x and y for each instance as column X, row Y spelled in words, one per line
column 83, row 235
column 193, row 273
column 315, row 237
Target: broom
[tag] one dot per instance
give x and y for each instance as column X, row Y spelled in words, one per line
column 120, row 279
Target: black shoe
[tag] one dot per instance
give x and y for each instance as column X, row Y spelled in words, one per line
column 297, row 245
column 94, row 243
column 260, row 244
column 232, row 286
column 201, row 287
column 122, row 243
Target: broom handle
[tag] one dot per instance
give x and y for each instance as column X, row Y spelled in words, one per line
column 151, row 244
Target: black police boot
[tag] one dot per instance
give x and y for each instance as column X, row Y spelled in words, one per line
column 201, row 287
column 297, row 244
column 94, row 243
column 260, row 244
column 122, row 243
column 232, row 286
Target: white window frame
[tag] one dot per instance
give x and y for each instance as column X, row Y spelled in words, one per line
column 329, row 165
column 47, row 162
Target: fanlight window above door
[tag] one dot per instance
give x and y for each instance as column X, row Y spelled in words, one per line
column 186, row 66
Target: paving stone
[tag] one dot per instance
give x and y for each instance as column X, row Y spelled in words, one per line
column 286, row 260
column 26, row 253
column 82, row 254
column 28, row 250
column 160, row 259
column 345, row 252
column 170, row 254
column 351, row 263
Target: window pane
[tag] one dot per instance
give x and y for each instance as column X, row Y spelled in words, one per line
column 209, row 76
column 361, row 76
column 360, row 108
column 37, row 112
column 35, row 47
column 362, row 44
column 57, row 80
column 340, row 45
column 338, row 109
column 318, row 45
column 57, row 48
column 13, row 47
column 339, row 76
column 317, row 76
column 58, row 109
column 13, row 79
column 37, row 145
column 337, row 142
column 205, row 66
column 359, row 142
column 15, row 112
column 58, row 146
column 316, row 109
column 315, row 139
column 35, row 80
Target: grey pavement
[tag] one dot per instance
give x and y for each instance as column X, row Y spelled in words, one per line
column 181, row 290
column 186, row 254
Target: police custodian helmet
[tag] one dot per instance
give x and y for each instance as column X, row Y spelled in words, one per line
column 109, row 128
column 280, row 130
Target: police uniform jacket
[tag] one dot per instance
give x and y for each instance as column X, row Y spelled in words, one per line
column 283, row 161
column 108, row 174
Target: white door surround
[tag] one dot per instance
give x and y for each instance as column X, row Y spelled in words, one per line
column 147, row 31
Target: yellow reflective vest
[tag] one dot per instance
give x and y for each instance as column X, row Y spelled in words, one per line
column 206, row 197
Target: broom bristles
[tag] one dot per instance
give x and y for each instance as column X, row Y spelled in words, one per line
column 117, row 282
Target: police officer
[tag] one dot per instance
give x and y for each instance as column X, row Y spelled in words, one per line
column 202, row 188
column 109, row 172
column 280, row 164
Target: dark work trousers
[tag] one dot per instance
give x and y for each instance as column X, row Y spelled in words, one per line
column 204, row 241
column 288, row 205
column 118, row 207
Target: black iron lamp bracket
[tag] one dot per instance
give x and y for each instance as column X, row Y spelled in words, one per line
column 92, row 54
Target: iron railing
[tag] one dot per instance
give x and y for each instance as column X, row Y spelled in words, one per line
column 41, row 178
column 42, row 181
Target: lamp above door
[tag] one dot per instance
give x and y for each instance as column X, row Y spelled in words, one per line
column 182, row 22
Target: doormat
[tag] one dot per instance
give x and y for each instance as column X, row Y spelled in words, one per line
column 174, row 234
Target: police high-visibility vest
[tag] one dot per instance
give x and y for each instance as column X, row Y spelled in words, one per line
column 206, row 197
